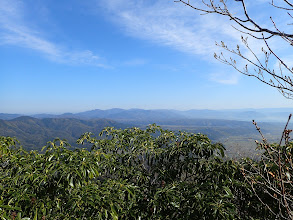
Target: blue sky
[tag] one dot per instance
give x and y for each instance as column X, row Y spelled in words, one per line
column 71, row 56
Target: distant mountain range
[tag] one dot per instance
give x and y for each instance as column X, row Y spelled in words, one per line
column 264, row 115
column 233, row 128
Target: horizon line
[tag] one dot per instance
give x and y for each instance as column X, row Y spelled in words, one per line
column 154, row 109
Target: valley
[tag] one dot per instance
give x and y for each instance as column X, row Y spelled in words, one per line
column 238, row 136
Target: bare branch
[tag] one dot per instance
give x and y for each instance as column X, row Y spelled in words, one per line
column 225, row 12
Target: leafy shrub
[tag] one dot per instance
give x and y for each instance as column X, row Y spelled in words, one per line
column 127, row 174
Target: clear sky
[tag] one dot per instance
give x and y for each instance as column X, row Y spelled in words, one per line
column 70, row 56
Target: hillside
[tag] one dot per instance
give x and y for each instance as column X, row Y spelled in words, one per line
column 34, row 133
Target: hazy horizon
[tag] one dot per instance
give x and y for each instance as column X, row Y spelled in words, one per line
column 74, row 112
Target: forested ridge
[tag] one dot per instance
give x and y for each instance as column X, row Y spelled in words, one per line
column 34, row 133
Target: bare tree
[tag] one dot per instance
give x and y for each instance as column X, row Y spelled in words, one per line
column 263, row 70
column 271, row 178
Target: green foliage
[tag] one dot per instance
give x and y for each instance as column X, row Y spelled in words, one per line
column 127, row 174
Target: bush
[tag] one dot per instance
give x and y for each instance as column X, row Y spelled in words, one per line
column 127, row 174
